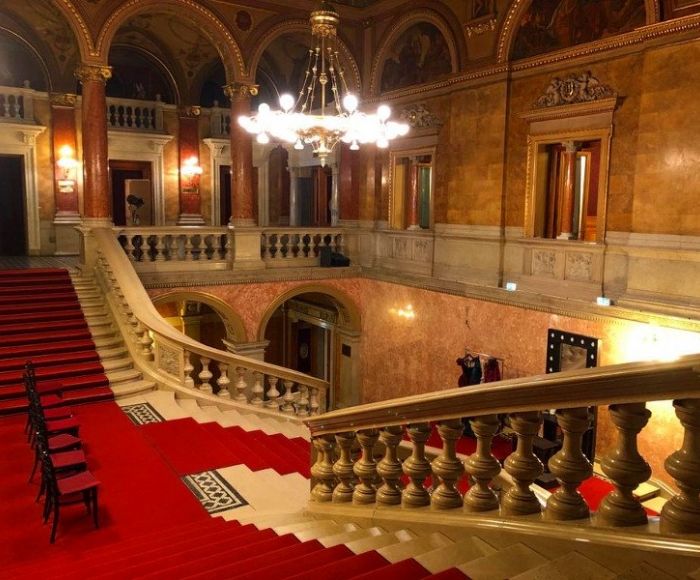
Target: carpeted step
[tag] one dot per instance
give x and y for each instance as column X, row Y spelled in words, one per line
column 34, row 273
column 212, row 560
column 53, row 372
column 449, row 574
column 44, row 337
column 46, row 316
column 265, row 447
column 29, row 351
column 299, row 564
column 46, row 360
column 12, row 309
column 244, row 455
column 22, row 327
column 66, row 384
column 347, row 567
column 399, row 571
column 56, row 288
column 18, row 281
column 26, row 298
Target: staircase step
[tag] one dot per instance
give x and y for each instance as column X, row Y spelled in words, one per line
column 33, row 273
column 415, row 547
column 572, row 566
column 116, row 364
column 398, row 571
column 124, row 376
column 14, row 309
column 52, row 372
column 455, row 554
column 378, row 542
column 323, row 530
column 110, row 353
column 645, row 571
column 505, row 563
column 131, row 388
column 345, row 537
column 49, row 359
column 49, row 326
column 27, row 298
column 44, row 337
column 108, row 341
column 49, row 315
column 301, row 564
column 57, row 288
column 102, row 332
column 29, row 351
column 449, row 574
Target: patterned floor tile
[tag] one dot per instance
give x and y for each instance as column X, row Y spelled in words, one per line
column 214, row 492
column 142, row 414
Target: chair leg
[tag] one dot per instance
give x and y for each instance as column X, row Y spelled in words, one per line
column 87, row 500
column 94, row 508
column 55, row 521
column 36, row 464
column 42, row 489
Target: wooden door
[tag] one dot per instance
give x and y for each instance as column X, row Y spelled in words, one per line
column 13, row 217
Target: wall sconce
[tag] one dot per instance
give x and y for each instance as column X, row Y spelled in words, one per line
column 190, row 172
column 406, row 312
column 67, row 163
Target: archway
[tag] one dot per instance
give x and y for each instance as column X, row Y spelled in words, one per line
column 316, row 330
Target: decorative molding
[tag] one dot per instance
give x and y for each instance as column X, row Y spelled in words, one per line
column 63, row 99
column 568, row 111
column 190, row 111
column 214, row 492
column 241, row 90
column 579, row 266
column 659, row 241
column 543, row 263
column 469, row 231
column 142, row 414
column 93, row 72
column 481, row 26
column 419, row 116
column 574, row 89
column 169, row 360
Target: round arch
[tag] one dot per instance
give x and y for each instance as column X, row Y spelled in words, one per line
column 34, row 52
column 86, row 44
column 290, row 27
column 164, row 69
column 235, row 328
column 347, row 309
column 400, row 26
column 509, row 27
column 210, row 24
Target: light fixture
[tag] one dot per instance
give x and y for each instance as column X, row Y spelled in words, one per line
column 325, row 112
column 511, row 286
column 190, row 172
column 603, row 301
column 66, row 160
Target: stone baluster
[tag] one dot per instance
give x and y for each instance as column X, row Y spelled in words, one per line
column 322, row 469
column 571, row 467
column 448, row 467
column 273, row 394
column 129, row 248
column 523, row 466
column 276, row 247
column 366, row 468
column 343, row 468
column 205, row 376
column 264, row 246
column 288, row 400
column 257, row 391
column 223, row 382
column 303, row 402
column 146, row 342
column 625, row 467
column 417, row 468
column 188, row 368
column 241, row 386
column 681, row 514
column 171, row 247
column 482, row 466
column 228, row 255
column 313, row 401
column 389, row 468
column 189, row 248
column 160, row 248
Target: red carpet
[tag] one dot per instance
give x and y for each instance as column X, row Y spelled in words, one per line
column 41, row 320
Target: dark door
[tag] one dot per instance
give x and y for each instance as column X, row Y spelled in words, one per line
column 305, row 187
column 225, row 193
column 13, row 222
column 120, row 171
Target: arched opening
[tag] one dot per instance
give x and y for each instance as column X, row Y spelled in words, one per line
column 317, row 332
column 137, row 74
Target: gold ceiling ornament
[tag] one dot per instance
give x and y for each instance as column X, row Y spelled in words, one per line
column 580, row 88
column 325, row 112
column 237, row 89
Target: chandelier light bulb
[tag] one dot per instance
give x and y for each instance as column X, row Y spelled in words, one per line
column 263, row 139
column 383, row 112
column 298, row 145
column 350, row 103
column 354, row 146
column 264, row 109
column 382, row 143
column 287, row 102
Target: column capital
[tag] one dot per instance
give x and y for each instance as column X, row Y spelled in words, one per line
column 240, row 90
column 190, row 111
column 63, row 99
column 93, row 72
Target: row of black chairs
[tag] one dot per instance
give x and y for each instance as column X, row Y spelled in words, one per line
column 54, row 435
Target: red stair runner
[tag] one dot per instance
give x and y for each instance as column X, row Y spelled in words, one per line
column 41, row 320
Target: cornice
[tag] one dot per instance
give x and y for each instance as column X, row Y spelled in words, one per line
column 574, row 110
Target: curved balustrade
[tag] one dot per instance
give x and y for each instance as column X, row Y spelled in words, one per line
column 176, row 244
column 625, row 388
column 298, row 246
column 168, row 356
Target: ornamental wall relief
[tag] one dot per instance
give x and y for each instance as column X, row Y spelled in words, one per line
column 543, row 263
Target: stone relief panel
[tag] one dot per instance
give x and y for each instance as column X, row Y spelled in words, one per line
column 574, row 89
column 423, row 250
column 579, row 266
column 169, row 360
column 543, row 263
column 401, row 248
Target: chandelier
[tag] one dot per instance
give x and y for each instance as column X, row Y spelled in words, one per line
column 324, row 112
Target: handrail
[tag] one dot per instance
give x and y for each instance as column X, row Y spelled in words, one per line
column 623, row 383
column 129, row 289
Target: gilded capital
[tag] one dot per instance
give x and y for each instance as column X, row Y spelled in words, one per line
column 63, row 99
column 193, row 111
column 240, row 90
column 93, row 72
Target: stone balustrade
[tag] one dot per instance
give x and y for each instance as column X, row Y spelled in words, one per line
column 135, row 115
column 165, row 245
column 297, row 247
column 514, row 408
column 17, row 104
column 220, row 122
column 179, row 362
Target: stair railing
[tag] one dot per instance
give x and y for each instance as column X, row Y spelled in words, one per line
column 338, row 478
column 166, row 354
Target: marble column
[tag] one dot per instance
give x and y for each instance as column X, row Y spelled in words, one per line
column 188, row 138
column 412, row 222
column 335, row 207
column 64, row 141
column 97, row 207
column 242, row 194
column 293, row 197
column 568, row 191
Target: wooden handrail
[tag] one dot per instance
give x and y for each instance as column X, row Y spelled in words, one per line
column 139, row 300
column 623, row 383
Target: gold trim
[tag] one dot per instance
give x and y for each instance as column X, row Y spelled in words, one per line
column 93, row 72
column 240, row 90
column 63, row 99
column 192, row 111
column 567, row 111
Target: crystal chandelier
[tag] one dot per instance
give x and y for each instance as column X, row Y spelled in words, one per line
column 324, row 112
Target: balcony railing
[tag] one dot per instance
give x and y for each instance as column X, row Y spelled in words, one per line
column 17, row 105
column 220, row 122
column 135, row 115
column 298, row 246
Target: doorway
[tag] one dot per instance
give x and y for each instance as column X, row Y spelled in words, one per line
column 224, row 194
column 122, row 174
column 315, row 186
column 13, row 217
